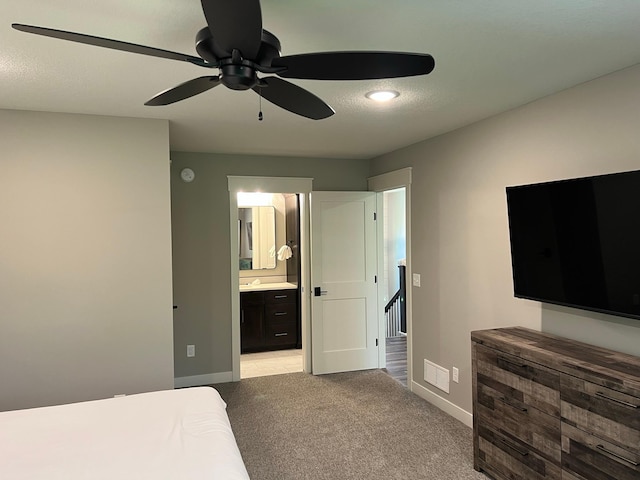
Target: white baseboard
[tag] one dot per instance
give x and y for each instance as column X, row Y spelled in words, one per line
column 208, row 379
column 443, row 404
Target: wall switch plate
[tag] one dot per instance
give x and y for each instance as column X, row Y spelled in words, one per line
column 416, row 279
column 456, row 374
column 191, row 350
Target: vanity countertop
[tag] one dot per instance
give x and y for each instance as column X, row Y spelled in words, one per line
column 268, row 286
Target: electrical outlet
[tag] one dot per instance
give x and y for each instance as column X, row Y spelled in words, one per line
column 416, row 279
column 191, row 350
column 456, row 373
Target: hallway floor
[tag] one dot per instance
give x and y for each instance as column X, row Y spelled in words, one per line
column 397, row 358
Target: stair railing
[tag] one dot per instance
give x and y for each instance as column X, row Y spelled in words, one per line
column 395, row 311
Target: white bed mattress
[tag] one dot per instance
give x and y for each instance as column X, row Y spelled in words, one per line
column 173, row 434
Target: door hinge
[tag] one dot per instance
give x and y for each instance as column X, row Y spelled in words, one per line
column 376, row 342
column 375, row 216
column 375, row 279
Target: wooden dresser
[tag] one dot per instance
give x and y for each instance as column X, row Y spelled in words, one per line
column 268, row 320
column 545, row 407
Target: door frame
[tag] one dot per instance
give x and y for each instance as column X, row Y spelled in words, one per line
column 381, row 183
column 303, row 187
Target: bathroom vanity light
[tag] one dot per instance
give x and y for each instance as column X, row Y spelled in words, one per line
column 382, row 95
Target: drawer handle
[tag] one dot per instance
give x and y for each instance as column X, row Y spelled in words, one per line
column 613, row 454
column 279, row 314
column 523, row 453
column 281, row 334
column 280, row 296
column 504, row 400
column 615, row 400
column 511, row 362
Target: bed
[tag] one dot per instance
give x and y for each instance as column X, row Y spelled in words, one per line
column 173, row 434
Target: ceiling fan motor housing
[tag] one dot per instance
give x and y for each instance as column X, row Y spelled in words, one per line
column 237, row 73
column 238, row 77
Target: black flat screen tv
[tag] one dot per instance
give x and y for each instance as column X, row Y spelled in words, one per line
column 577, row 242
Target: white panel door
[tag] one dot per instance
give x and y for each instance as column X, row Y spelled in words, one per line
column 344, row 328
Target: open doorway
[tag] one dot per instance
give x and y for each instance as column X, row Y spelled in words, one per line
column 394, row 282
column 269, row 267
column 394, row 267
column 269, row 297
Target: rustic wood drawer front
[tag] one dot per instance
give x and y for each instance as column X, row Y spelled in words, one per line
column 280, row 296
column 506, row 457
column 519, row 381
column 586, row 456
column 535, row 394
column 541, row 432
column 606, row 413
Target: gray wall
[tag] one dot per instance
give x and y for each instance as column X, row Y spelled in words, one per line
column 85, row 266
column 201, row 244
column 460, row 240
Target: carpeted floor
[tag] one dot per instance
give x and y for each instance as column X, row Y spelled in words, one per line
column 356, row 425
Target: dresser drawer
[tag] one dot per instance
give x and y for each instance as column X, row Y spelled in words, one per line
column 587, row 456
column 280, row 296
column 503, row 456
column 519, row 381
column 540, row 431
column 611, row 415
column 283, row 312
column 280, row 333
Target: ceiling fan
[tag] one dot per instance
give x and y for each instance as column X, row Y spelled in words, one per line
column 235, row 43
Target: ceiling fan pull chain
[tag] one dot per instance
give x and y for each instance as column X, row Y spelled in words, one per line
column 260, row 117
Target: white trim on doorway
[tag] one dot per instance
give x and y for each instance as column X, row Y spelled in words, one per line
column 302, row 186
column 381, row 183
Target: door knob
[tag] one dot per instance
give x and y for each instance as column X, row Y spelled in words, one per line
column 318, row 291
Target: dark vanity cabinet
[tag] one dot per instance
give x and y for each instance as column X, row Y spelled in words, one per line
column 251, row 320
column 268, row 320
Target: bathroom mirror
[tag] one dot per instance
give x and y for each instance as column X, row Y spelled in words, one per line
column 257, row 238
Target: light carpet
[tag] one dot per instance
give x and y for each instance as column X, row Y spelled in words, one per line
column 356, row 425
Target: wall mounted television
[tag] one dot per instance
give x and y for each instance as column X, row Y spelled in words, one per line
column 577, row 242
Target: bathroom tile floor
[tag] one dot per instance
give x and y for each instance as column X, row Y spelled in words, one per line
column 276, row 362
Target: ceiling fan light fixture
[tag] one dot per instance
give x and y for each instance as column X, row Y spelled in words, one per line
column 382, row 95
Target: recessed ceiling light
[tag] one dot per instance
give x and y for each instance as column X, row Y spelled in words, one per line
column 382, row 95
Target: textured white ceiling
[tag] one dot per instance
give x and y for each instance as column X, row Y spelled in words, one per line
column 491, row 56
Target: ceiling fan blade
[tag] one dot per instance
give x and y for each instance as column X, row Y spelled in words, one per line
column 354, row 65
column 293, row 98
column 235, row 24
column 107, row 43
column 184, row 90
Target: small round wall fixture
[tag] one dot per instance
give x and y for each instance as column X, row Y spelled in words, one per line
column 187, row 175
column 382, row 95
